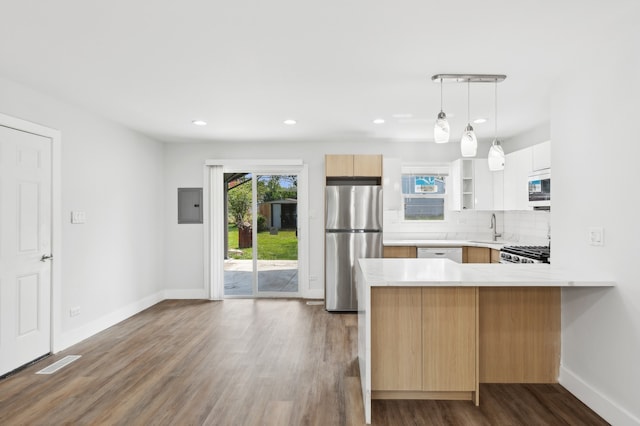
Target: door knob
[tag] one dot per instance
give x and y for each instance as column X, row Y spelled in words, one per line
column 46, row 257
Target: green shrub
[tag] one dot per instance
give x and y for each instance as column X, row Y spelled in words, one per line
column 262, row 223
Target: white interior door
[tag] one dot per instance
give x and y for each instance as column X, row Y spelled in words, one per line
column 25, row 244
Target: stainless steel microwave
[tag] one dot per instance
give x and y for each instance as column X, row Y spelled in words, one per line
column 540, row 189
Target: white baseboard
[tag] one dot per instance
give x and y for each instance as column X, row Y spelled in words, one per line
column 186, row 294
column 314, row 294
column 607, row 409
column 77, row 335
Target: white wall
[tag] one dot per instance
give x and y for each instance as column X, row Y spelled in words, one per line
column 112, row 265
column 595, row 154
column 533, row 136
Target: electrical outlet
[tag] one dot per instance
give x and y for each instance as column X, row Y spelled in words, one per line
column 595, row 236
column 78, row 217
column 74, row 312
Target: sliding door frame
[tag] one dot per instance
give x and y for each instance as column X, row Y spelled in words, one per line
column 213, row 210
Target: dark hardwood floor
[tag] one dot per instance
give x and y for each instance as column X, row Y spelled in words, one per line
column 246, row 362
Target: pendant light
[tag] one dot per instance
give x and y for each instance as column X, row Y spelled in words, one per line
column 441, row 128
column 468, row 143
column 496, row 153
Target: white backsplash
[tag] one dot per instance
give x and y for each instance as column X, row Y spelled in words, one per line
column 518, row 227
column 528, row 227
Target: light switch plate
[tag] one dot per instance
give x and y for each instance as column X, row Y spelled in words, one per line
column 78, row 217
column 596, row 236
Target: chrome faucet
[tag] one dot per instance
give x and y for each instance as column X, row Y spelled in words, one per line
column 549, row 234
column 494, row 227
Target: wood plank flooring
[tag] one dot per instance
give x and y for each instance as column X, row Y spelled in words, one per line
column 246, row 362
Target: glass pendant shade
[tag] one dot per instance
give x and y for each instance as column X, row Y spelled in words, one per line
column 441, row 128
column 496, row 157
column 468, row 143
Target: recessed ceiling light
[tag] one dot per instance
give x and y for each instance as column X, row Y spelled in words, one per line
column 378, row 121
column 402, row 115
column 289, row 122
column 480, row 120
column 199, row 122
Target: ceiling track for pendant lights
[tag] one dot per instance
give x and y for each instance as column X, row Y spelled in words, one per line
column 468, row 78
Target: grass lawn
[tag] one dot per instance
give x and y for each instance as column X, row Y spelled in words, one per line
column 283, row 246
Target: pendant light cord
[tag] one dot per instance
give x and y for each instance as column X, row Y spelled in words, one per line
column 440, row 95
column 468, row 101
column 496, row 111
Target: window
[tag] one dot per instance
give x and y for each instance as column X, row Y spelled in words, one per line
column 423, row 196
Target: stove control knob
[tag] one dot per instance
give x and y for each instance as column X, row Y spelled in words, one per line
column 516, row 259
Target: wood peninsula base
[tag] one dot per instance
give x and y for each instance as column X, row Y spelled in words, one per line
column 440, row 343
column 424, row 342
column 436, row 329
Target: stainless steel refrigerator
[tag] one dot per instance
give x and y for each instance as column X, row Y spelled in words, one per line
column 353, row 230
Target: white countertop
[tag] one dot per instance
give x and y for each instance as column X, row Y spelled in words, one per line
column 445, row 272
column 446, row 243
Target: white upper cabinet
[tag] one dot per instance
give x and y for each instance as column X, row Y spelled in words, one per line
column 482, row 185
column 498, row 190
column 517, row 166
column 471, row 185
column 474, row 186
column 542, row 156
column 455, row 185
column 392, row 184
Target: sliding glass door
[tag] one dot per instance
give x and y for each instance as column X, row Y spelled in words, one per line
column 261, row 244
column 277, row 234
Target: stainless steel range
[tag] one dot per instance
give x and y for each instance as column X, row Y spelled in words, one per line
column 525, row 254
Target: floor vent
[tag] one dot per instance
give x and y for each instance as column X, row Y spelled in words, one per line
column 315, row 302
column 59, row 364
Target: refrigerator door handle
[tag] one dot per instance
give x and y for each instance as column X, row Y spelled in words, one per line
column 351, row 231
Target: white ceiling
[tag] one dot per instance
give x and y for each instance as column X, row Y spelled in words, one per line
column 244, row 66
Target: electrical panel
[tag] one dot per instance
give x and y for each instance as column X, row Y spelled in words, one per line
column 189, row 205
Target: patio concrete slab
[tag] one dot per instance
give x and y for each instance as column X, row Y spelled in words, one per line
column 273, row 276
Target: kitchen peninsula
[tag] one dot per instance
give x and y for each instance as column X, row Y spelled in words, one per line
column 436, row 329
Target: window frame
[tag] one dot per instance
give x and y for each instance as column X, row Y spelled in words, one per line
column 436, row 171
